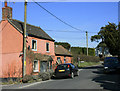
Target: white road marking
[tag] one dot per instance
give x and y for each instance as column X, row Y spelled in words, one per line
column 35, row 83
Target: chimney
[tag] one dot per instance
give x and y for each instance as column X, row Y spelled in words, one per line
column 6, row 12
column 5, row 3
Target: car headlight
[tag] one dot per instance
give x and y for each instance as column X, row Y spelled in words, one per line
column 105, row 67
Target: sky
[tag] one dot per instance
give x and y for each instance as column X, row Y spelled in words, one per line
column 86, row 16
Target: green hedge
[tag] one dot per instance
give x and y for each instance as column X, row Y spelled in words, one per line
column 85, row 58
column 83, row 50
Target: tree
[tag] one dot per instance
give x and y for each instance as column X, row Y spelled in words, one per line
column 64, row 44
column 110, row 38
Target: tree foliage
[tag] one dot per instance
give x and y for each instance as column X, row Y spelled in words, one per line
column 110, row 38
column 83, row 51
column 64, row 44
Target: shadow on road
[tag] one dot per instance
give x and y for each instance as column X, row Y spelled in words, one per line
column 109, row 81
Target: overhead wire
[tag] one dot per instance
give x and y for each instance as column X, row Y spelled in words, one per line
column 57, row 17
column 67, row 31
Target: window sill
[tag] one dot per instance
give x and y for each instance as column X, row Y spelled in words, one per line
column 35, row 70
column 34, row 49
column 48, row 51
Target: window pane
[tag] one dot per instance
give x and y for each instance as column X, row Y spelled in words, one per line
column 34, row 44
column 43, row 66
column 58, row 58
column 35, row 65
column 47, row 46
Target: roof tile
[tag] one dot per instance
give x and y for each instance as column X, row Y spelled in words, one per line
column 60, row 50
column 32, row 30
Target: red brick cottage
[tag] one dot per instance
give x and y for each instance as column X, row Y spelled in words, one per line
column 39, row 45
column 62, row 55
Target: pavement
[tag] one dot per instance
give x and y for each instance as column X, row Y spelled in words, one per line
column 89, row 78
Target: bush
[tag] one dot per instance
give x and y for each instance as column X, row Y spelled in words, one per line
column 10, row 81
column 44, row 76
column 85, row 58
column 36, row 78
column 51, row 72
column 19, row 80
column 27, row 78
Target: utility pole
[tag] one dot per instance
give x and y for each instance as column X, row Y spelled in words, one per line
column 87, row 41
column 119, row 31
column 24, row 40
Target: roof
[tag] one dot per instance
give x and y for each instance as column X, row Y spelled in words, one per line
column 60, row 50
column 32, row 30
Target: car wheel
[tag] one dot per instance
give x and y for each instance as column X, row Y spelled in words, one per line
column 72, row 75
column 77, row 73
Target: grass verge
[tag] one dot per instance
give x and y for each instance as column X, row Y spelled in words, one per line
column 85, row 64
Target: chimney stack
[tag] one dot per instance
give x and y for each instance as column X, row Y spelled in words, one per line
column 6, row 12
column 5, row 3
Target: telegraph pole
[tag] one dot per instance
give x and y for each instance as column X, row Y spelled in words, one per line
column 87, row 41
column 24, row 40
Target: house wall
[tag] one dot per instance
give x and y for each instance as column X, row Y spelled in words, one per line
column 29, row 66
column 41, row 48
column 99, row 51
column 12, row 45
column 0, row 49
column 11, row 49
column 41, row 45
column 68, row 59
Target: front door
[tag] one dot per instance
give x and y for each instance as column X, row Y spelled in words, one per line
column 43, row 66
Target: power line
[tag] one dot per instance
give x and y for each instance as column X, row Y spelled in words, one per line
column 61, row 20
column 57, row 17
column 66, row 31
column 63, row 31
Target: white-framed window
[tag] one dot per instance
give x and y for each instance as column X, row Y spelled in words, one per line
column 58, row 60
column 67, row 59
column 34, row 45
column 47, row 47
column 35, row 66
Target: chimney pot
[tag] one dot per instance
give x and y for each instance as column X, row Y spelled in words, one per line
column 5, row 3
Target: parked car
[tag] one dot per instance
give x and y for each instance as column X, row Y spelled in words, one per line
column 66, row 70
column 111, row 64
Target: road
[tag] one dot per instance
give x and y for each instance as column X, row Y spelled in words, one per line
column 89, row 78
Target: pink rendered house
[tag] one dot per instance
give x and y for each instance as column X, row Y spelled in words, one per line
column 38, row 42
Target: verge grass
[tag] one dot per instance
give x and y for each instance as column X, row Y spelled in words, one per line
column 86, row 64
